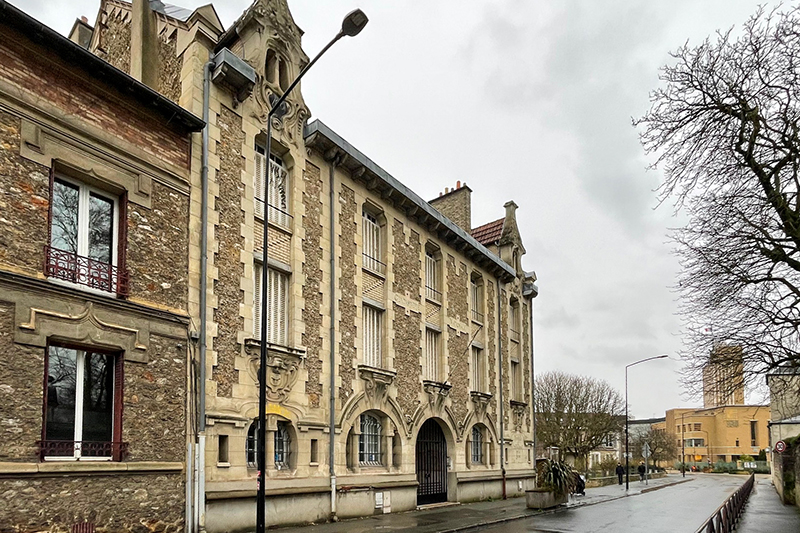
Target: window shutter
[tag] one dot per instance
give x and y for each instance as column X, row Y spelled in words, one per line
column 119, row 382
column 257, row 307
column 258, row 183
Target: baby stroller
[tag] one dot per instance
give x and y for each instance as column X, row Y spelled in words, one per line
column 580, row 485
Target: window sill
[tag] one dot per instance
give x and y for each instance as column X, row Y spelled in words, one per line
column 223, row 465
column 374, row 272
column 84, row 288
column 259, row 218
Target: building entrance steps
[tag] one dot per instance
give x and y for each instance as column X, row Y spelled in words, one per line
column 466, row 516
column 765, row 512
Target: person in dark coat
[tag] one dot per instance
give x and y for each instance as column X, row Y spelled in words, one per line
column 642, row 469
column 620, row 472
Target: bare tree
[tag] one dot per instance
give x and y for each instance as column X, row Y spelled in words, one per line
column 576, row 414
column 662, row 445
column 724, row 127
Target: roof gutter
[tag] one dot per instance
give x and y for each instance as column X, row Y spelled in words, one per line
column 317, row 130
column 96, row 67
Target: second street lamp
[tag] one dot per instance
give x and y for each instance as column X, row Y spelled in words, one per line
column 352, row 25
column 627, row 466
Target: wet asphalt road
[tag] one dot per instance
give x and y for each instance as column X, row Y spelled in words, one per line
column 676, row 509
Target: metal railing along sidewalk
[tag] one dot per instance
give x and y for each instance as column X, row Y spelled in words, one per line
column 725, row 517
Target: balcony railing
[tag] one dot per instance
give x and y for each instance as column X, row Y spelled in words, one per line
column 277, row 216
column 514, row 334
column 116, row 451
column 433, row 295
column 370, row 263
column 477, row 316
column 85, row 271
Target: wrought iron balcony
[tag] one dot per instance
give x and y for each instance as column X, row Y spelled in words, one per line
column 514, row 334
column 276, row 215
column 370, row 263
column 477, row 316
column 433, row 295
column 115, row 451
column 85, row 271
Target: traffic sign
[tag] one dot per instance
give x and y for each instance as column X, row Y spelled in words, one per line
column 780, row 446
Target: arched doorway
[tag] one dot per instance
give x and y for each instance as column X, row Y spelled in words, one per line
column 431, row 452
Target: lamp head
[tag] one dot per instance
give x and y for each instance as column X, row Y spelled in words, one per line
column 353, row 23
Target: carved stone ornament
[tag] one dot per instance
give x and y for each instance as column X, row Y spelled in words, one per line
column 480, row 401
column 376, row 384
column 518, row 410
column 437, row 394
column 283, row 367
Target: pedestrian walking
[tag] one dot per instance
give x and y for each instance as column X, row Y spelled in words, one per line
column 642, row 469
column 620, row 472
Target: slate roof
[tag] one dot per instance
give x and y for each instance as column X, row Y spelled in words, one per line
column 178, row 13
column 489, row 234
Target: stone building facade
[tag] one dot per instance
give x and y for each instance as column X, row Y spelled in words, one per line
column 416, row 326
column 94, row 323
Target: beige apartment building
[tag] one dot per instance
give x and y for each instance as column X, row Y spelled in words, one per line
column 396, row 316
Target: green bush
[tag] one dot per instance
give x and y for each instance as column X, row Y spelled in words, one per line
column 724, row 467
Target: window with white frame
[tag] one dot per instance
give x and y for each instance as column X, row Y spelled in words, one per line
column 476, row 445
column 373, row 333
column 369, row 441
column 252, row 445
column 433, row 283
column 476, row 297
column 433, row 363
column 283, row 442
column 83, row 390
column 372, row 246
column 478, row 370
column 277, row 305
column 277, row 201
column 83, row 237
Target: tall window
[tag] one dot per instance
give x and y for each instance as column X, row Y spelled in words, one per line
column 278, row 204
column 277, row 305
column 433, row 362
column 513, row 321
column 83, row 389
column 516, row 381
column 477, row 446
column 478, row 370
column 476, row 293
column 369, row 441
column 372, row 248
column 753, row 432
column 283, row 443
column 252, row 445
column 83, row 237
column 373, row 332
column 433, row 284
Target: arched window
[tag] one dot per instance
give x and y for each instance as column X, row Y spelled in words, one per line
column 369, row 441
column 252, row 445
column 283, row 442
column 271, row 66
column 477, row 446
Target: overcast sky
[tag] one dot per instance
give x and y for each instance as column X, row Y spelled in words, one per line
column 530, row 101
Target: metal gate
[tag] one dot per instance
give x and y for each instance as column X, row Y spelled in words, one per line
column 431, row 464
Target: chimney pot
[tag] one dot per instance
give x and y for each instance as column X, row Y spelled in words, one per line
column 458, row 184
column 440, row 194
column 84, row 20
column 446, row 190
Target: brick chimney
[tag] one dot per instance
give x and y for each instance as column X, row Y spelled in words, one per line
column 144, row 43
column 456, row 204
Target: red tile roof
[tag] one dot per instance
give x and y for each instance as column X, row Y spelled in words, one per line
column 489, row 233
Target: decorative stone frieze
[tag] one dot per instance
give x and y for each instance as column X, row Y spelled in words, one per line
column 518, row 410
column 376, row 384
column 437, row 394
column 283, row 367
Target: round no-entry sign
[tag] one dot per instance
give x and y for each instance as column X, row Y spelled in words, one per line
column 780, row 446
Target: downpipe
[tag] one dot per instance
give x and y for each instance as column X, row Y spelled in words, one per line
column 500, row 374
column 334, row 162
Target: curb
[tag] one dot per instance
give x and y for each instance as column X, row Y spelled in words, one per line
column 487, row 523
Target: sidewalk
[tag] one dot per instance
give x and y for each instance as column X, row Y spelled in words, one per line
column 461, row 517
column 765, row 512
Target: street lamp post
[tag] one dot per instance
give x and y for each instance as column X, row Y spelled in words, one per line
column 627, row 466
column 352, row 25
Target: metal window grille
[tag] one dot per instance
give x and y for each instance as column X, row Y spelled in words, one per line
column 372, row 244
column 432, row 281
column 373, row 319
column 369, row 442
column 277, row 306
column 432, row 355
column 477, row 301
column 282, row 446
column 477, row 369
column 477, row 446
column 252, row 445
column 278, row 200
